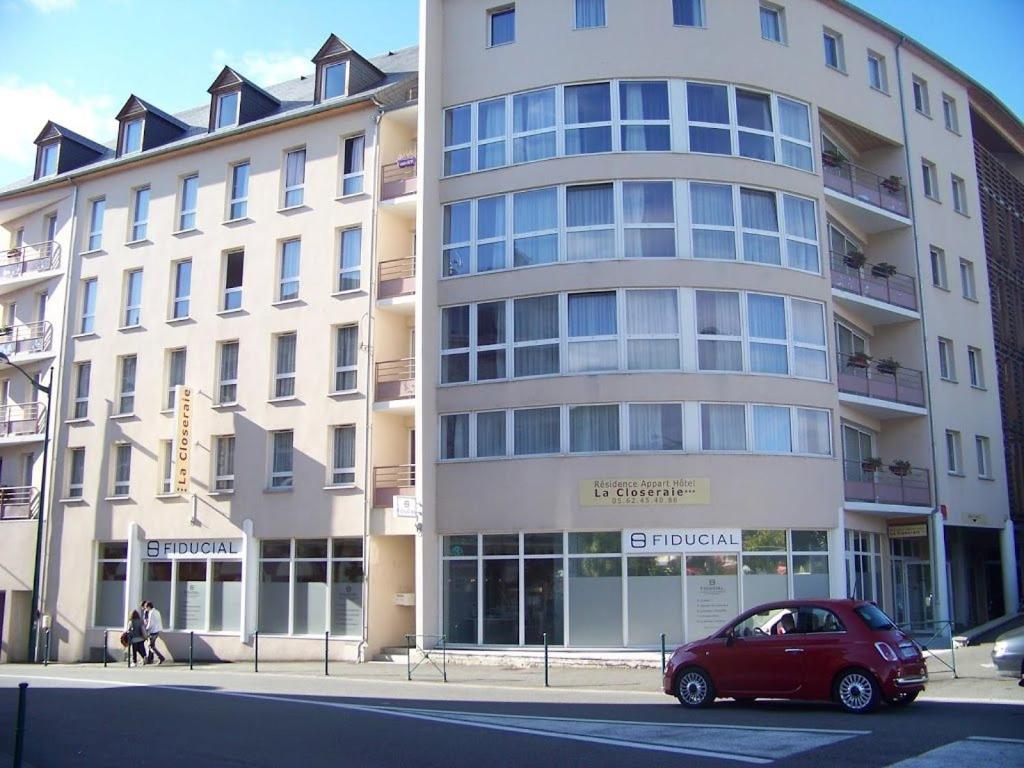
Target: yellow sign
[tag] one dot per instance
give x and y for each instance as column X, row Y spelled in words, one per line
column 645, row 492
column 912, row 531
column 182, row 437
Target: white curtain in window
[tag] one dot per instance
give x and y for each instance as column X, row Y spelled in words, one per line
column 766, row 319
column 354, row 151
column 589, row 13
column 345, row 447
column 229, row 361
column 283, row 451
column 537, row 430
column 536, row 319
column 652, row 313
column 639, row 100
column 723, row 427
column 812, row 432
column 711, row 205
column 801, row 222
column 655, row 427
column 759, row 212
column 535, row 211
column 490, row 218
column 590, row 205
column 754, row 110
column 455, row 436
column 593, row 314
column 177, row 368
column 772, row 429
column 295, row 168
column 718, row 314
column 490, row 434
column 808, row 322
column 286, row 353
column 124, row 463
column 533, row 111
column 225, row 456
column 707, row 103
column 770, row 29
column 491, row 119
column 793, row 120
column 593, row 428
column 647, row 202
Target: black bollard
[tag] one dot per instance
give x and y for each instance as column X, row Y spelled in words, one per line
column 191, row 643
column 662, row 653
column 46, row 651
column 327, row 638
column 19, row 729
column 105, row 652
column 256, row 650
column 546, row 660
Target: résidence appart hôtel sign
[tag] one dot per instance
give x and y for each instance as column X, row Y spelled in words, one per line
column 645, row 492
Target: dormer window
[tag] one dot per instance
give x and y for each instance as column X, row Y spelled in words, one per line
column 227, row 110
column 48, row 160
column 131, row 139
column 335, row 77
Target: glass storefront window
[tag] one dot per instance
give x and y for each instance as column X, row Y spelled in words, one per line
column 595, row 599
column 501, row 601
column 226, row 596
column 543, row 598
column 542, row 543
column 111, row 575
column 460, row 600
column 810, row 577
column 347, row 597
column 810, row 541
column 712, row 593
column 501, row 544
column 601, row 542
column 655, row 600
column 309, row 606
column 765, row 579
column 273, row 610
column 764, row 541
column 156, row 588
column 460, row 546
column 190, row 597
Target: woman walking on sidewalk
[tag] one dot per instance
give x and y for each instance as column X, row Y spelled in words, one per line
column 136, row 637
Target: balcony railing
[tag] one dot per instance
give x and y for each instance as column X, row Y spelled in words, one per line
column 874, row 281
column 19, row 502
column 912, row 487
column 40, row 257
column 396, row 277
column 26, row 339
column 396, row 379
column 388, row 482
column 22, row 419
column 875, row 378
column 398, row 179
column 861, row 184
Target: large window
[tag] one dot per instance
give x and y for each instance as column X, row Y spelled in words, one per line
column 288, row 277
column 628, row 116
column 234, row 265
column 311, row 586
column 349, row 269
column 188, row 202
column 294, row 177
column 227, row 379
column 238, row 200
column 284, row 365
column 132, row 299
column 111, row 579
column 80, row 406
column 281, row 459
column 343, row 463
column 182, row 289
column 201, row 595
column 346, row 366
column 864, row 565
column 140, row 214
column 96, row 213
column 126, row 385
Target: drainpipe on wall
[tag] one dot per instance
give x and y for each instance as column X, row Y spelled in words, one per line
column 942, row 611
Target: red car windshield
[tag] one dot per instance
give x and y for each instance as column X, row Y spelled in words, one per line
column 874, row 617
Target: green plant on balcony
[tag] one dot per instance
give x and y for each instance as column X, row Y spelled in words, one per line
column 832, row 158
column 900, row 467
column 854, row 259
column 888, row 365
column 893, row 184
column 871, row 464
column 883, row 269
column 858, row 360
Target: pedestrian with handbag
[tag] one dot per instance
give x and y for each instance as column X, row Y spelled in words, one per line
column 136, row 637
column 154, row 626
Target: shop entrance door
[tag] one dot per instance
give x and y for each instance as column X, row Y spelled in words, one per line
column 912, row 591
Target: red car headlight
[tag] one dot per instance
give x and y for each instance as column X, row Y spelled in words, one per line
column 885, row 651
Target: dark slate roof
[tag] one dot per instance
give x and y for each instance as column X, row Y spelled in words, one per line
column 78, row 138
column 399, row 67
column 158, row 112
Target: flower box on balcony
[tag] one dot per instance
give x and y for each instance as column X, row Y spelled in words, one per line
column 832, row 159
column 900, row 468
column 854, row 259
column 858, row 360
column 883, row 269
column 893, row 184
column 871, row 464
column 887, row 365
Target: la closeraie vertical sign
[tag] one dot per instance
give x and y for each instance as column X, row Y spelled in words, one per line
column 182, row 438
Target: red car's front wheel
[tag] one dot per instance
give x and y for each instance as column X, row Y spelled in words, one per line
column 694, row 688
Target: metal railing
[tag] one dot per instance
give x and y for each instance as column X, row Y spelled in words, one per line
column 934, row 636
column 22, row 419
column 874, row 282
column 19, row 502
column 398, row 179
column 910, row 487
column 388, row 482
column 439, row 643
column 396, row 277
column 26, row 339
column 860, row 375
column 396, row 379
column 864, row 185
column 38, row 257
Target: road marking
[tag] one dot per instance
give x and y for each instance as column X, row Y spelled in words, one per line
column 974, row 750
column 743, row 744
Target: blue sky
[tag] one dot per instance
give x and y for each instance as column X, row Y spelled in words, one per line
column 76, row 61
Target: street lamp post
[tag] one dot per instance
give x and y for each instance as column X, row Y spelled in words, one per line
column 33, row 627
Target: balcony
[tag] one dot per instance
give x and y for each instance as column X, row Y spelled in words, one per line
column 398, row 179
column 866, row 485
column 22, row 422
column 882, row 295
column 873, row 203
column 396, row 284
column 396, row 384
column 24, row 341
column 388, row 482
column 28, row 264
column 884, row 391
column 19, row 502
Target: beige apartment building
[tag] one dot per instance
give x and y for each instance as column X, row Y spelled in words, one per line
column 573, row 322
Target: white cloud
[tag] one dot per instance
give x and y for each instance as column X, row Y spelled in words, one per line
column 29, row 105
column 46, row 6
column 264, row 67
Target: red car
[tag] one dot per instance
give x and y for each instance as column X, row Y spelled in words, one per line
column 847, row 651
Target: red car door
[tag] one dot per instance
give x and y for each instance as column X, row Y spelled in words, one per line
column 764, row 665
column 825, row 642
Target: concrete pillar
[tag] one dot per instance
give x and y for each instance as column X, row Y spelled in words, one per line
column 837, row 558
column 1008, row 557
column 940, row 588
column 250, row 582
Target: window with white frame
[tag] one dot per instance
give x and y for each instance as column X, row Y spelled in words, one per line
column 176, row 359
column 648, row 219
column 835, row 56
column 458, row 135
column 587, row 110
column 188, row 202
column 224, row 463
column 491, row 130
column 132, row 316
column 983, row 452
column 48, row 154
column 354, row 165
column 343, row 453
column 501, row 25
column 688, row 13
column 227, row 109
column 166, row 453
column 288, row 276
column 234, row 267
column 491, row 341
column 534, row 125
column 723, row 427
column 80, row 406
column 644, row 117
column 76, row 473
column 122, row 470
column 773, row 22
column 455, row 344
column 131, row 136
column 947, row 360
column 535, row 225
column 181, row 299
column 593, row 428
column 976, row 367
column 281, row 460
column 589, row 222
column 592, row 332
column 294, row 177
column 589, row 14
column 238, row 200
column 350, row 256
column 652, row 330
column 227, row 379
column 921, row 102
column 949, row 114
column 864, row 565
column 126, row 386
column 140, row 214
column 87, row 323
column 878, row 78
column 111, row 583
column 536, row 336
column 284, row 365
column 929, row 179
column 346, row 364
column 967, row 285
column 97, row 209
column 335, row 77
column 536, row 431
column 655, row 427
column 455, row 438
column 954, row 453
column 938, row 263
column 959, row 194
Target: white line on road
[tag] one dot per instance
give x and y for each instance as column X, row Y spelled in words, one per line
column 971, row 751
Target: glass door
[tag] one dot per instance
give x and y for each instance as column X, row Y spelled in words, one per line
column 919, row 591
column 712, row 593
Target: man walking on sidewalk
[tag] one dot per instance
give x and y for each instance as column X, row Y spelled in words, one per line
column 154, row 626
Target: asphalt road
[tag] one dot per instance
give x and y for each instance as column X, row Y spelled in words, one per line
column 84, row 716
